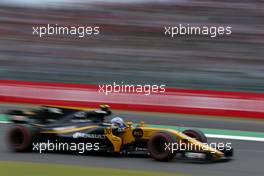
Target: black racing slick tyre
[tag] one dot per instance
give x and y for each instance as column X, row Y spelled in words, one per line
column 196, row 134
column 19, row 138
column 158, row 146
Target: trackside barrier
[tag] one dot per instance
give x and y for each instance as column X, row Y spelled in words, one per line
column 187, row 101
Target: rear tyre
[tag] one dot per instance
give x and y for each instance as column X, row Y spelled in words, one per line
column 19, row 138
column 157, row 147
column 196, row 134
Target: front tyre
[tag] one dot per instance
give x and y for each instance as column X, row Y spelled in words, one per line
column 157, row 146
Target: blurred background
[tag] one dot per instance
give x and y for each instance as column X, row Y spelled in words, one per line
column 132, row 47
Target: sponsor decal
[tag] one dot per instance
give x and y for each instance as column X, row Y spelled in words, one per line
column 137, row 133
column 85, row 135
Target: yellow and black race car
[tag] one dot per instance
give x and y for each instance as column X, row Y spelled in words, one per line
column 49, row 129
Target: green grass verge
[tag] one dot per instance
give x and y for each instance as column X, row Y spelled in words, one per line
column 10, row 168
column 3, row 117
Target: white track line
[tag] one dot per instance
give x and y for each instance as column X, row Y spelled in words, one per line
column 4, row 122
column 244, row 138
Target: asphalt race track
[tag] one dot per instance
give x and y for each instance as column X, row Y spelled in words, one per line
column 248, row 159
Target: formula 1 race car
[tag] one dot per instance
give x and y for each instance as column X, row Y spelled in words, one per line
column 59, row 128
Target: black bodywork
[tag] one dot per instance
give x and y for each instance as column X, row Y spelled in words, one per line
column 49, row 123
column 49, row 115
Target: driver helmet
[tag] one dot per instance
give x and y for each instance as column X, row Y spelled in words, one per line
column 118, row 121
